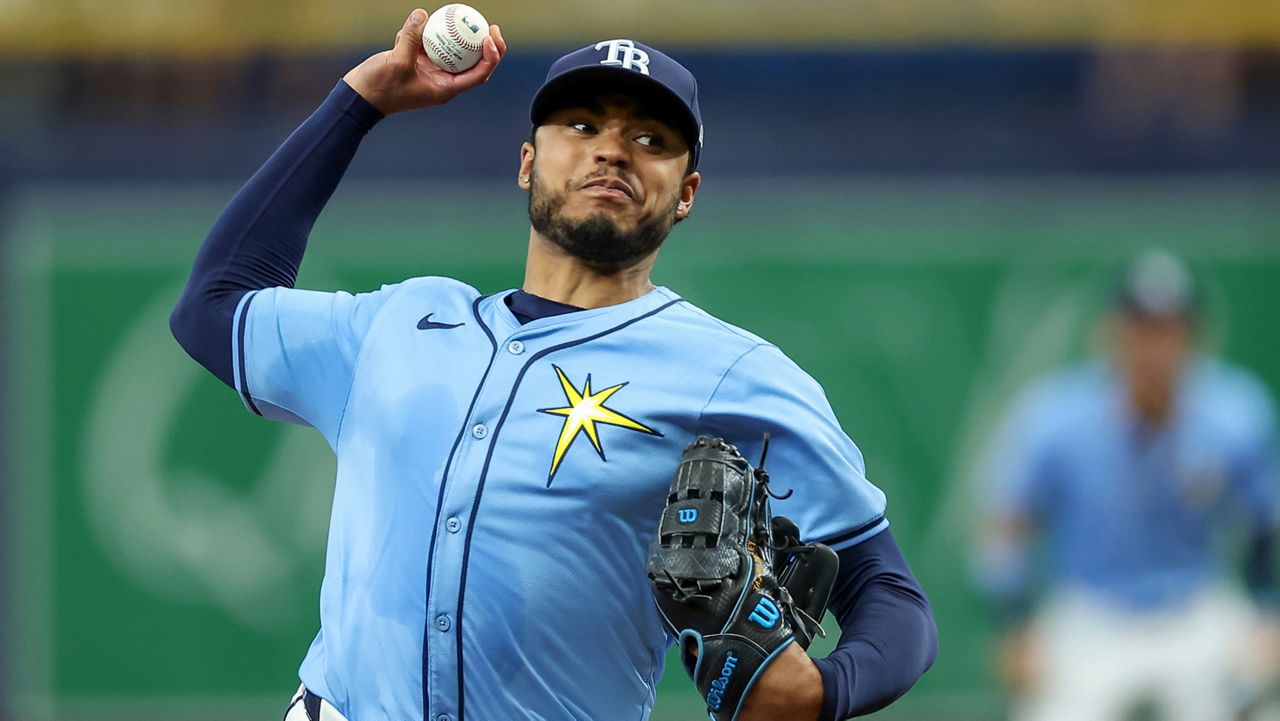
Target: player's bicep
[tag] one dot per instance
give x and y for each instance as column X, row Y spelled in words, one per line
column 809, row 453
column 294, row 352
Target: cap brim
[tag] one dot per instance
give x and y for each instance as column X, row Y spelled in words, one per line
column 583, row 84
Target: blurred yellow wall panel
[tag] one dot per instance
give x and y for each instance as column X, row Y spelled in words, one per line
column 199, row 26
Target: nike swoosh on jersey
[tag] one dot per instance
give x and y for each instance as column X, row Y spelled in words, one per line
column 427, row 324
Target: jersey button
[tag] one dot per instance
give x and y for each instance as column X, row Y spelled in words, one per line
column 479, row 431
column 444, row 717
column 453, row 524
column 443, row 623
column 515, row 347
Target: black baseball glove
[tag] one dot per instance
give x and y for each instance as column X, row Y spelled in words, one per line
column 734, row 585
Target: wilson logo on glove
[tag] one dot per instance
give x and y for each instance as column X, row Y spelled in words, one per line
column 765, row 614
column 704, row 574
column 718, row 686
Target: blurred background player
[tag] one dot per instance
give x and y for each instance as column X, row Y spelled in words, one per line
column 1114, row 488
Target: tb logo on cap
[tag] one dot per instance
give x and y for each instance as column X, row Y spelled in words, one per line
column 625, row 54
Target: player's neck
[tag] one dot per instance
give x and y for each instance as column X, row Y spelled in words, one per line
column 1153, row 406
column 553, row 274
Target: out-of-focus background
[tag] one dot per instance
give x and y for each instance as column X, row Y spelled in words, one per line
column 922, row 202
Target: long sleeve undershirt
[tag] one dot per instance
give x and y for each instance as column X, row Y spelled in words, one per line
column 888, row 638
column 258, row 240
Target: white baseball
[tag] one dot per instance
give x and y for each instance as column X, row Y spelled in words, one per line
column 453, row 37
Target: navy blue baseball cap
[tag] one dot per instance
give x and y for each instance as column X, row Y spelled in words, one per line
column 625, row 66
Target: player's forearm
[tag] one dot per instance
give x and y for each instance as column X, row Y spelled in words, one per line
column 790, row 689
column 888, row 635
column 259, row 239
column 1002, row 569
column 1260, row 569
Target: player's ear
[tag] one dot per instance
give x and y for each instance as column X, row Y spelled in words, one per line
column 524, row 176
column 688, row 189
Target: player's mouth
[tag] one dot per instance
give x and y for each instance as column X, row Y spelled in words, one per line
column 609, row 188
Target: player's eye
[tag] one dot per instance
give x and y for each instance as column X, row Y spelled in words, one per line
column 652, row 140
column 582, row 126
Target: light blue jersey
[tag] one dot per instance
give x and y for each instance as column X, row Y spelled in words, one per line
column 498, row 485
column 1127, row 512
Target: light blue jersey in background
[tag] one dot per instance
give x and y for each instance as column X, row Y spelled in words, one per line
column 498, row 485
column 1130, row 513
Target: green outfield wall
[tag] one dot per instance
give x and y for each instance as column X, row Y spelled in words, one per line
column 167, row 547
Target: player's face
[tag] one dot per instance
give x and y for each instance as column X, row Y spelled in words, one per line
column 1150, row 352
column 607, row 181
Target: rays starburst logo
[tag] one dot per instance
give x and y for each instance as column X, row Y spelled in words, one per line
column 586, row 410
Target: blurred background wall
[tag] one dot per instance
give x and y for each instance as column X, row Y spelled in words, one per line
column 932, row 196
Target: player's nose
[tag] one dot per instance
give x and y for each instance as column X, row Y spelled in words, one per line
column 611, row 149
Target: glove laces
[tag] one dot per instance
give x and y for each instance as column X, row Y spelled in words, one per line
column 762, row 476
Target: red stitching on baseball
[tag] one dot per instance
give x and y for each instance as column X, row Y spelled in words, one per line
column 451, row 26
column 442, row 55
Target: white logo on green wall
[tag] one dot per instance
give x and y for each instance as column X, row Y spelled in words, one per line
column 185, row 535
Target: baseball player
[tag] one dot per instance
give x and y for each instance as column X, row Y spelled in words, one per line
column 1121, row 477
column 503, row 459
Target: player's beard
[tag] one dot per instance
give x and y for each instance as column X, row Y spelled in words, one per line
column 596, row 239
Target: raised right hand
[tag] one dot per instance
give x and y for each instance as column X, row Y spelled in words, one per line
column 404, row 78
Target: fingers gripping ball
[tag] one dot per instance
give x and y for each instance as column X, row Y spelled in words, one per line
column 453, row 37
column 713, row 564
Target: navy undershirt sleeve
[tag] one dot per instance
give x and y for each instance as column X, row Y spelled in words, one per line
column 888, row 637
column 259, row 239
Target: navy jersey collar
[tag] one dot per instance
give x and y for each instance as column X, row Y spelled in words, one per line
column 584, row 320
column 528, row 307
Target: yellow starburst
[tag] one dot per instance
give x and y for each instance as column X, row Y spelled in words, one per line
column 584, row 411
